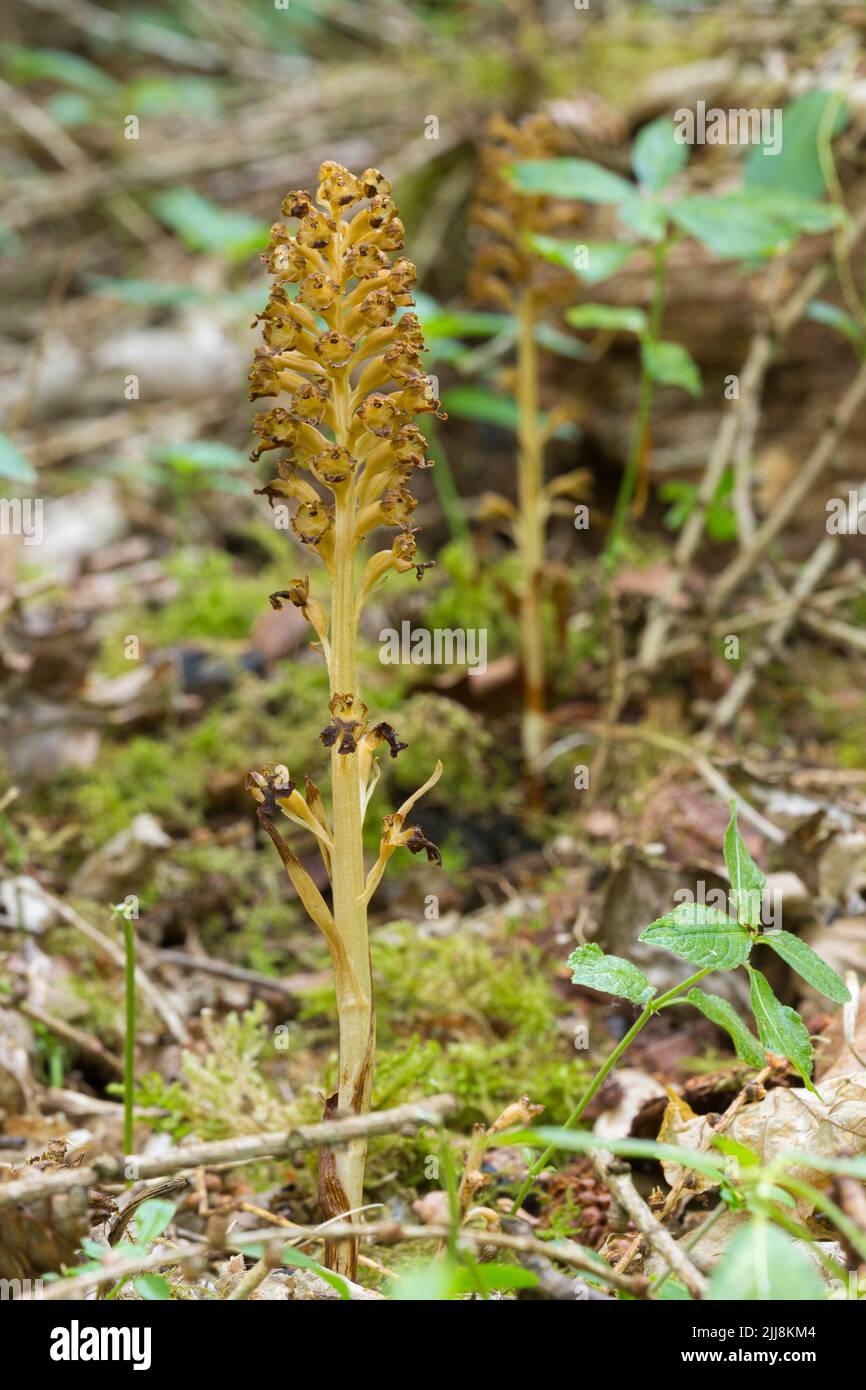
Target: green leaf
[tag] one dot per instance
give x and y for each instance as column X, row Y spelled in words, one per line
column 702, row 935
column 439, row 322
column 780, row 1029
column 570, row 178
column 609, row 974
column 751, row 223
column 608, row 317
column 732, row 1148
column 153, row 293
column 762, row 1264
column 13, row 465
column 204, row 226
column 56, row 65
column 670, row 364
column 494, row 1277
column 481, row 404
column 298, row 1259
column 808, row 964
column 658, row 156
column 797, row 167
column 553, row 339
column 720, row 1012
column 581, row 1141
column 153, row 1288
column 591, row 261
column 194, row 455
column 151, row 1219
column 747, row 880
column 643, row 215
column 819, row 311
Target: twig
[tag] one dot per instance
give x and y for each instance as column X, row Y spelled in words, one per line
column 702, row 765
column 796, row 492
column 224, row 971
column 387, row 1231
column 752, row 376
column 810, row 576
column 617, row 1178
column 246, row 1149
column 90, row 1046
column 158, row 1002
column 672, row 1200
column 566, row 1251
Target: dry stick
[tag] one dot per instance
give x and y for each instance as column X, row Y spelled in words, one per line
column 170, row 1017
column 391, row 1232
column 835, row 630
column 764, row 613
column 245, row 1149
column 810, row 576
column 751, row 379
column 616, row 1177
column 224, row 971
column 658, row 622
column 91, row 1047
column 251, row 1280
column 566, row 1251
column 796, row 492
column 702, row 765
column 676, row 1192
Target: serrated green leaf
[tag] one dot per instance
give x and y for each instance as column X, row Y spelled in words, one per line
column 747, row 880
column 658, row 156
column 609, row 974
column 670, row 364
column 13, row 465
column 797, row 168
column 761, row 1265
column 579, row 179
column 702, row 935
column 780, row 1029
column 720, row 1012
column 607, row 316
column 752, row 223
column 591, row 261
column 808, row 964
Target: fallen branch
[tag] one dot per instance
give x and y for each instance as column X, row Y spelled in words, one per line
column 155, row 998
column 246, row 1149
column 616, row 1176
column 386, row 1232
column 774, row 639
column 741, row 419
column 793, row 496
column 86, row 1044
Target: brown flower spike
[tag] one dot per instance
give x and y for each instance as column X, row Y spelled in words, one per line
column 508, row 272
column 344, row 353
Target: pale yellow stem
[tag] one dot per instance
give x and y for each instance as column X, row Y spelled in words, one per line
column 530, row 533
